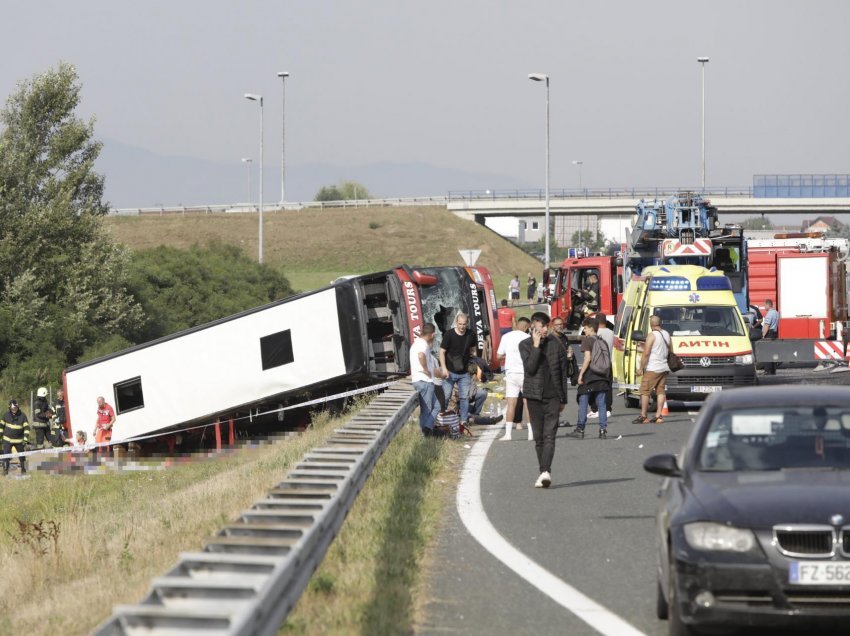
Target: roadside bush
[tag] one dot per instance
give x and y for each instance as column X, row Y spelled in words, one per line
column 179, row 289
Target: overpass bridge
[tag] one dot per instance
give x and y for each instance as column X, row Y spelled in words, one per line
column 479, row 205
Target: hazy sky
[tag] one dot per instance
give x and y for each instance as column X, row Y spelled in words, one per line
column 445, row 82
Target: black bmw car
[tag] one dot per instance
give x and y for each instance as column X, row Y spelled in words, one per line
column 754, row 525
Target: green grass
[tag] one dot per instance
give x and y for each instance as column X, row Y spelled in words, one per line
column 76, row 545
column 314, row 246
column 371, row 581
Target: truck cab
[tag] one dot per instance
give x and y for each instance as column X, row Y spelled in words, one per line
column 573, row 278
column 699, row 311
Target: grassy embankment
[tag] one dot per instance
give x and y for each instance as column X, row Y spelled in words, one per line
column 315, row 246
column 88, row 542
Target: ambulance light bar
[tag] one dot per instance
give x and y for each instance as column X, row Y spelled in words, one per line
column 713, row 283
column 669, row 283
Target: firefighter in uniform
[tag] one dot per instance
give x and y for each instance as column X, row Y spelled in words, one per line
column 40, row 418
column 59, row 410
column 587, row 300
column 16, row 435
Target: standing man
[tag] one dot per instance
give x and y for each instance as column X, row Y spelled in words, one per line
column 557, row 332
column 770, row 331
column 40, row 418
column 514, row 289
column 531, row 288
column 507, row 318
column 454, row 360
column 608, row 336
column 654, row 369
column 510, row 359
column 592, row 384
column 545, row 389
column 59, row 409
column 104, row 423
column 422, row 376
column 16, row 435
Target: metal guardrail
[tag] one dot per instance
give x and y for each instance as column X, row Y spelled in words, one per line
column 594, row 193
column 249, row 576
column 277, row 207
column 453, row 195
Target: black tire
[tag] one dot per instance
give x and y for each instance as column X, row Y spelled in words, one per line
column 675, row 625
column 631, row 402
column 662, row 609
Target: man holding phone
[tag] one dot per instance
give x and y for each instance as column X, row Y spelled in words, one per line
column 545, row 389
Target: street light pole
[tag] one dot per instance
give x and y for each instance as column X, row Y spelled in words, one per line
column 283, row 75
column 542, row 77
column 703, row 61
column 259, row 98
column 579, row 163
column 247, row 161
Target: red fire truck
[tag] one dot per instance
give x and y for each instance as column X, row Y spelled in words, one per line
column 806, row 277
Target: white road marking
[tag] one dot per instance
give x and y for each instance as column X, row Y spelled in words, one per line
column 471, row 511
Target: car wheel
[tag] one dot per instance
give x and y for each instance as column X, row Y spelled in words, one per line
column 632, row 402
column 676, row 626
column 661, row 606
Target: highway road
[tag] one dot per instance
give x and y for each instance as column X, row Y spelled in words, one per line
column 593, row 529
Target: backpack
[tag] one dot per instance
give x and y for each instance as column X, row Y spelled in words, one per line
column 600, row 358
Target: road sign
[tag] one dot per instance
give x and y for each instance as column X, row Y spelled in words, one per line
column 470, row 256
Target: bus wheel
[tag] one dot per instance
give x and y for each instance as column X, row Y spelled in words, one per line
column 632, row 402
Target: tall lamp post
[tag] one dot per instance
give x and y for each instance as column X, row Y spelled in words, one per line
column 579, row 163
column 259, row 98
column 283, row 75
column 703, row 61
column 248, row 161
column 542, row 77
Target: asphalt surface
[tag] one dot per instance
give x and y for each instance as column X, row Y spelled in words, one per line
column 593, row 528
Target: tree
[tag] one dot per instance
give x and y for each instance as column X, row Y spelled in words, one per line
column 179, row 289
column 345, row 191
column 757, row 223
column 62, row 278
column 585, row 238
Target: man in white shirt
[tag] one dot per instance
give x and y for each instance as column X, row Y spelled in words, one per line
column 422, row 376
column 514, row 373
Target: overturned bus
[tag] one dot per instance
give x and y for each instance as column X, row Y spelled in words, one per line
column 353, row 333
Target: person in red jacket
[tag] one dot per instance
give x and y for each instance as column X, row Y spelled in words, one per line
column 103, row 426
column 507, row 318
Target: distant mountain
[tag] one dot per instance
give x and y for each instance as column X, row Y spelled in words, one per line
column 136, row 177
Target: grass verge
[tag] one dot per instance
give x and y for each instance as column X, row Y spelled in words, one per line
column 372, row 579
column 76, row 545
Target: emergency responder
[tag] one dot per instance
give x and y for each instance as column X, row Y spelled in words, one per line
column 587, row 300
column 16, row 435
column 56, row 433
column 40, row 419
column 59, row 410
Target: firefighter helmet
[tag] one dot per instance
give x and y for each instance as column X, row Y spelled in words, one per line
column 42, row 392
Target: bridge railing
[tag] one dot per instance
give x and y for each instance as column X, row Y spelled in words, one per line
column 594, row 193
column 276, row 207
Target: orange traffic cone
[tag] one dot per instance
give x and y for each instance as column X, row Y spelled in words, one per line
column 664, row 410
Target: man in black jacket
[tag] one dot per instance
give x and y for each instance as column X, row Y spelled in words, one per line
column 545, row 389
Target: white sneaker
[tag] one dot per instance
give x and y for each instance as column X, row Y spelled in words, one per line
column 506, row 437
column 608, row 413
column 592, row 416
column 530, row 434
column 543, row 481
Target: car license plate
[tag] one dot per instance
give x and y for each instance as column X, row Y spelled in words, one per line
column 697, row 388
column 819, row 573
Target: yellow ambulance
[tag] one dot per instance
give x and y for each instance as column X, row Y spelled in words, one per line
column 698, row 310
